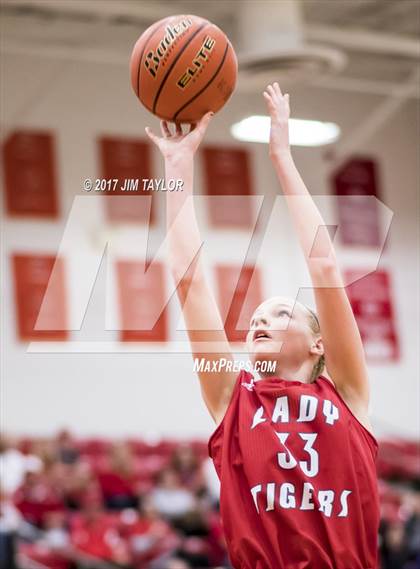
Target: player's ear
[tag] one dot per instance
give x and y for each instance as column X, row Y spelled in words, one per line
column 317, row 347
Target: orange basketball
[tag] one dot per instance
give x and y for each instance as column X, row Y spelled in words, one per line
column 182, row 67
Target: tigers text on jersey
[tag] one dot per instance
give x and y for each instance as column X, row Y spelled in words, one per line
column 298, row 478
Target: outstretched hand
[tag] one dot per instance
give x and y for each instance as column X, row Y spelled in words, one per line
column 279, row 109
column 179, row 143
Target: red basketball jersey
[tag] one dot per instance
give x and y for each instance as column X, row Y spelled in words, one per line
column 298, row 478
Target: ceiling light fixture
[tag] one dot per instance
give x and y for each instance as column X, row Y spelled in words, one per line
column 256, row 128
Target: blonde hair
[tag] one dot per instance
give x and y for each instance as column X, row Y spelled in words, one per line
column 316, row 329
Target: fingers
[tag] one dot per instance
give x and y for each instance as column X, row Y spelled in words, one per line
column 277, row 89
column 204, row 121
column 270, row 90
column 270, row 101
column 269, row 94
column 164, row 127
column 153, row 137
column 274, row 91
column 273, row 95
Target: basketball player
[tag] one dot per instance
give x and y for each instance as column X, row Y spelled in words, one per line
column 293, row 449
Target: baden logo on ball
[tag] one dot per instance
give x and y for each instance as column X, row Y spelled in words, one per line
column 182, row 67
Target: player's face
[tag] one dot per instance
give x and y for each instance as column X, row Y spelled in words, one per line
column 280, row 326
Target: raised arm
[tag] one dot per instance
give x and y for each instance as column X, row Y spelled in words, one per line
column 201, row 314
column 344, row 354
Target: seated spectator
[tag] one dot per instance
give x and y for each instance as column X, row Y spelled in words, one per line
column 216, row 540
column 66, row 448
column 169, row 497
column 45, row 450
column 80, row 483
column 394, row 550
column 212, row 481
column 10, row 520
column 149, row 537
column 118, row 481
column 57, row 474
column 52, row 548
column 187, row 465
column 195, row 551
column 182, row 508
column 56, row 535
column 411, row 505
column 172, row 563
column 36, row 497
column 14, row 465
column 94, row 535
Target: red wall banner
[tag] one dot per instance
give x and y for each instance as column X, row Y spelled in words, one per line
column 141, row 296
column 372, row 305
column 125, row 159
column 30, row 174
column 31, row 278
column 240, row 291
column 358, row 216
column 227, row 173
